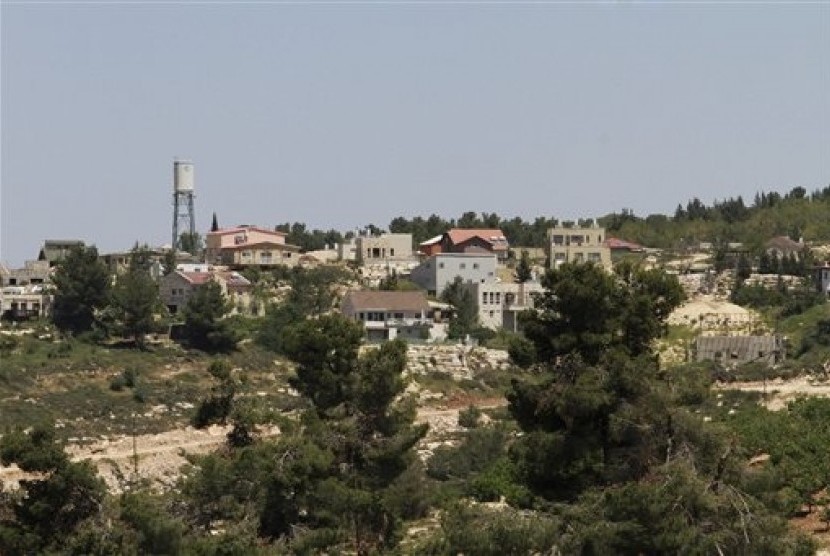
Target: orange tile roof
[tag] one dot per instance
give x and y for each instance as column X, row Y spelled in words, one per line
column 494, row 236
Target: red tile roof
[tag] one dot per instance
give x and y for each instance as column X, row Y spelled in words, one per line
column 196, row 278
column 494, row 236
column 615, row 243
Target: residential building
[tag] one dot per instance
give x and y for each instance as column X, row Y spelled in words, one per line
column 178, row 287
column 499, row 303
column 249, row 246
column 33, row 272
column 383, row 248
column 387, row 315
column 463, row 240
column 620, row 248
column 56, row 250
column 438, row 271
column 578, row 245
column 24, row 302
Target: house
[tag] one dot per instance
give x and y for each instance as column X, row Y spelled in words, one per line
column 178, row 287
column 621, row 248
column 56, row 250
column 499, row 303
column 249, row 246
column 387, row 315
column 438, row 271
column 578, row 245
column 383, row 248
column 464, row 240
column 738, row 350
column 24, row 302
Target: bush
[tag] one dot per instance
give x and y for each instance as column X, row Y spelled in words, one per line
column 522, row 352
column 469, row 418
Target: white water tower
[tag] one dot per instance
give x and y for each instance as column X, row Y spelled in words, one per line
column 183, row 218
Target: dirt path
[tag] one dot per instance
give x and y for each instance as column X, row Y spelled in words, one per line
column 160, row 457
column 780, row 392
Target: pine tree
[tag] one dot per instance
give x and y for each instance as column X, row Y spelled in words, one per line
column 82, row 285
column 214, row 226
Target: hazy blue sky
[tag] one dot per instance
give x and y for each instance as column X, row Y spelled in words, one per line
column 341, row 115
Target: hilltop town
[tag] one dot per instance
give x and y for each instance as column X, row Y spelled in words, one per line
column 435, row 352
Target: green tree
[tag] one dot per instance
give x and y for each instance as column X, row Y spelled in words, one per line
column 54, row 504
column 82, row 285
column 203, row 320
column 359, row 419
column 465, row 318
column 135, row 297
column 524, row 272
column 191, row 243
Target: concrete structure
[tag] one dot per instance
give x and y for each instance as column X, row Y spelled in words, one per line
column 24, row 302
column 438, row 271
column 184, row 220
column 387, row 315
column 499, row 303
column 56, row 250
column 33, row 272
column 347, row 251
column 463, row 240
column 578, row 245
column 737, row 350
column 249, row 246
column 178, row 287
column 119, row 262
column 821, row 277
column 383, row 248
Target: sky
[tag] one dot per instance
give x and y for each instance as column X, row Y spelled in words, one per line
column 344, row 114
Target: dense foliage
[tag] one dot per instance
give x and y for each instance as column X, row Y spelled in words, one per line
column 82, row 285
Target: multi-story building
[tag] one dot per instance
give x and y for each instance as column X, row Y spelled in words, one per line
column 387, row 315
column 383, row 248
column 178, row 287
column 56, row 250
column 437, row 272
column 499, row 303
column 249, row 246
column 578, row 245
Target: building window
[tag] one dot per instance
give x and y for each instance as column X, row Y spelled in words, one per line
column 492, row 314
column 391, row 252
column 489, row 274
column 360, row 316
column 475, row 265
column 440, row 265
column 498, row 297
column 484, row 297
column 399, row 316
column 462, row 266
column 492, row 297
